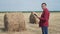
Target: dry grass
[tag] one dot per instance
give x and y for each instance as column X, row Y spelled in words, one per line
column 54, row 25
column 14, row 21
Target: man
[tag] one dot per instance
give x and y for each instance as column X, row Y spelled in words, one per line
column 44, row 19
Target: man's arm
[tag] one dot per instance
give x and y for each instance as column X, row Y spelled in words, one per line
column 46, row 15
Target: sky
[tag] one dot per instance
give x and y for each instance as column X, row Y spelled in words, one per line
column 28, row 5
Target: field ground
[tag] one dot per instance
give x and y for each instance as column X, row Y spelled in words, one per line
column 54, row 24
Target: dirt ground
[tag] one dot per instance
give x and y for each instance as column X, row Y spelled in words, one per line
column 54, row 24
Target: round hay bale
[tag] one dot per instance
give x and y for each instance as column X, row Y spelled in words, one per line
column 14, row 22
column 33, row 19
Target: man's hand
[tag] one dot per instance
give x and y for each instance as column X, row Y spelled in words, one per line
column 36, row 15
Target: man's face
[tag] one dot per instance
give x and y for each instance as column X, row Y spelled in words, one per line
column 43, row 6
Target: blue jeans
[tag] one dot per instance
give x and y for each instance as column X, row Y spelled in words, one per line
column 44, row 30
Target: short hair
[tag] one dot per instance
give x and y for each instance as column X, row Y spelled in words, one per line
column 44, row 3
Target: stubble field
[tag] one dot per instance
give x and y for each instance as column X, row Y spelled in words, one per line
column 54, row 24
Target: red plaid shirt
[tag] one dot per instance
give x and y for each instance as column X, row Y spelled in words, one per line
column 44, row 20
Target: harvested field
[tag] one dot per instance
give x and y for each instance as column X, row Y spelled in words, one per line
column 54, row 24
